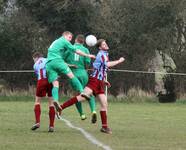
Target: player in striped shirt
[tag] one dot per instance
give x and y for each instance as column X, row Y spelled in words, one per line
column 97, row 82
column 43, row 88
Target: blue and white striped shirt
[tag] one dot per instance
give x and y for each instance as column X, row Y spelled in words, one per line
column 100, row 65
column 40, row 68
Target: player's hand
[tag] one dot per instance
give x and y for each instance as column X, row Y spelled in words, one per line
column 122, row 59
column 91, row 56
column 107, row 84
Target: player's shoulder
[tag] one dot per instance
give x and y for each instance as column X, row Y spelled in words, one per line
column 102, row 52
column 35, row 65
column 99, row 53
column 61, row 40
column 86, row 50
column 43, row 58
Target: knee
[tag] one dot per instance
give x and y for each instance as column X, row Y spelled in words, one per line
column 37, row 100
column 80, row 98
column 50, row 101
column 104, row 106
column 71, row 75
column 55, row 83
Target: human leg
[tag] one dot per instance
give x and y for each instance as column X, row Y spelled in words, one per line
column 76, row 99
column 52, row 74
column 55, row 95
column 51, row 114
column 79, row 107
column 75, row 83
column 92, row 105
column 83, row 78
column 80, row 110
column 103, row 113
column 37, row 112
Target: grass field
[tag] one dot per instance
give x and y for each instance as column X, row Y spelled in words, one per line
column 136, row 126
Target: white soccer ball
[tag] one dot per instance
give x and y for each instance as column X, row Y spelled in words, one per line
column 91, row 40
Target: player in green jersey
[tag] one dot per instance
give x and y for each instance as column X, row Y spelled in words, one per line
column 80, row 72
column 56, row 65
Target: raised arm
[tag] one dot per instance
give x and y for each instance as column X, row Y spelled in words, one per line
column 79, row 52
column 116, row 62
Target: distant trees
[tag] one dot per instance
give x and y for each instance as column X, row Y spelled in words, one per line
column 134, row 29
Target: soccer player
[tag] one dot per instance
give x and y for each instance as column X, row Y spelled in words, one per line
column 43, row 88
column 56, row 65
column 80, row 72
column 96, row 83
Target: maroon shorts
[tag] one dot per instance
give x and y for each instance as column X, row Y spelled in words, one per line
column 43, row 88
column 96, row 85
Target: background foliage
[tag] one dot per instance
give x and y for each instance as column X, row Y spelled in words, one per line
column 134, row 29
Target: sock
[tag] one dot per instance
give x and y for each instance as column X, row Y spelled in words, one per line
column 69, row 102
column 76, row 85
column 55, row 93
column 103, row 115
column 79, row 108
column 51, row 116
column 92, row 104
column 37, row 111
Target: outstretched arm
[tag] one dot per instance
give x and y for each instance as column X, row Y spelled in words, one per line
column 79, row 52
column 116, row 62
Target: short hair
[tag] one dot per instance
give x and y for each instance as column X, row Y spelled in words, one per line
column 67, row 33
column 37, row 55
column 80, row 38
column 99, row 42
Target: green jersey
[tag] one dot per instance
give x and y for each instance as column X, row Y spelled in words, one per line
column 58, row 48
column 75, row 59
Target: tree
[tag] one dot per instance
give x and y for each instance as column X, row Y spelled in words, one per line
column 19, row 37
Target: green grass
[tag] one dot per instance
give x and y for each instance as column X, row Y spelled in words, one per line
column 136, row 126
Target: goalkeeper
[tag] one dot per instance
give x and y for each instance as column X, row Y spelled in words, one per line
column 78, row 65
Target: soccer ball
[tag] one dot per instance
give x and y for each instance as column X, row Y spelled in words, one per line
column 91, row 40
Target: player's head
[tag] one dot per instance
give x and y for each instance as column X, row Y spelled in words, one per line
column 67, row 35
column 36, row 56
column 80, row 38
column 102, row 45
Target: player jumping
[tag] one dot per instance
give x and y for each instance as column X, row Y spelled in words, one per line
column 56, row 65
column 96, row 83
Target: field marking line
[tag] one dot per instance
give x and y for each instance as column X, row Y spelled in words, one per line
column 87, row 135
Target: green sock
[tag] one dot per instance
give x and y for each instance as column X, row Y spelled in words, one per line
column 92, row 104
column 76, row 85
column 55, row 94
column 79, row 108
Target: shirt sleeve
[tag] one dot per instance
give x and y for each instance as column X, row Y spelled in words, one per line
column 70, row 47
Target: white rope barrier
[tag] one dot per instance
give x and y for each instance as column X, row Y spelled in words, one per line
column 16, row 71
column 148, row 72
column 110, row 70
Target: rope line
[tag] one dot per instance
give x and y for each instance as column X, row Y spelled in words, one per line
column 148, row 72
column 16, row 71
column 110, row 70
